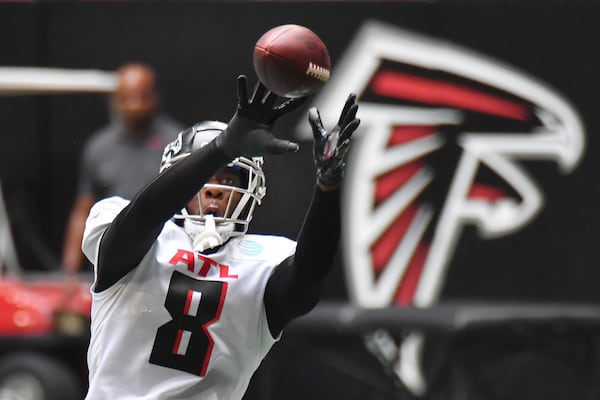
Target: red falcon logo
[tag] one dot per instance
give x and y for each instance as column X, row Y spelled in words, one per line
column 443, row 138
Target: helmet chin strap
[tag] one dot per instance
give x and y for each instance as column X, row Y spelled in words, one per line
column 209, row 238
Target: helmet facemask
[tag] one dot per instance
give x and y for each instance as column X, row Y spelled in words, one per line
column 207, row 229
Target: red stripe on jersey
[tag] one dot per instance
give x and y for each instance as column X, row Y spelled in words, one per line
column 177, row 341
column 188, row 301
column 211, row 342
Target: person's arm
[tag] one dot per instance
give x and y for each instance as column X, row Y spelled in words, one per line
column 72, row 256
column 295, row 286
column 134, row 230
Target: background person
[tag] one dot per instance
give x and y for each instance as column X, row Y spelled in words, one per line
column 121, row 157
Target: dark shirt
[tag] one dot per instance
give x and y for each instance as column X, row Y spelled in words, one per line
column 115, row 163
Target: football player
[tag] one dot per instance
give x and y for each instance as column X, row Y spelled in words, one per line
column 186, row 304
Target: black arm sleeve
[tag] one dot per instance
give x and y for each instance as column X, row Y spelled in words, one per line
column 137, row 226
column 295, row 286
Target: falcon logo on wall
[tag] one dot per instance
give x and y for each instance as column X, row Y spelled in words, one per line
column 443, row 138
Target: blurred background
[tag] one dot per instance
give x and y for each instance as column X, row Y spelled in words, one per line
column 501, row 292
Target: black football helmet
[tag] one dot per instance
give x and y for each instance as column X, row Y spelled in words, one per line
column 208, row 231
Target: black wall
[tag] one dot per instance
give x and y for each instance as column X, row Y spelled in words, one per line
column 199, row 48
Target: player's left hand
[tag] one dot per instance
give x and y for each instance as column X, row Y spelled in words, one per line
column 249, row 131
column 330, row 148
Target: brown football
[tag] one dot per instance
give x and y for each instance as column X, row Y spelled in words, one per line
column 291, row 60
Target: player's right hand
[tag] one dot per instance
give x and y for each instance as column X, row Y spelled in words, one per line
column 249, row 131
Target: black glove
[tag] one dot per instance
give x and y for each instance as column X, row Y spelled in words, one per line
column 331, row 148
column 249, row 130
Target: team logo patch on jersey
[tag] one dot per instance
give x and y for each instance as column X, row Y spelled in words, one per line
column 249, row 248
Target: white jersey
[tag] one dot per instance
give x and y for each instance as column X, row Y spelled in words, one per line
column 181, row 325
